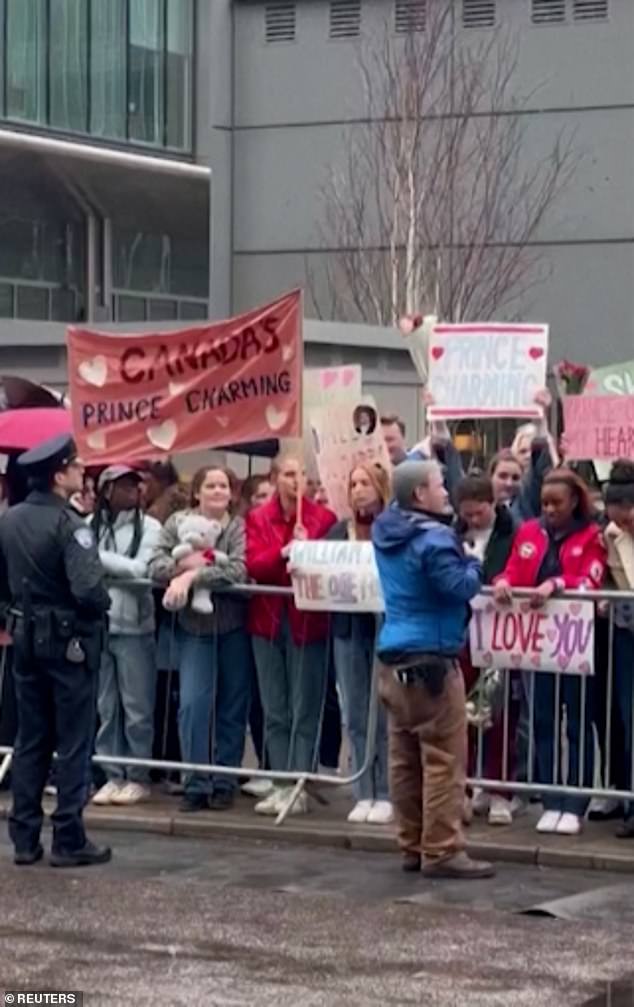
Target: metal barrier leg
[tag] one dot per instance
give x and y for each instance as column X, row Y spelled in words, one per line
column 288, row 807
column 5, row 765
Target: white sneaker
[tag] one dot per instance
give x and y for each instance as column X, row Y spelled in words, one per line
column 500, row 811
column 257, row 787
column 569, row 825
column 106, row 793
column 480, row 801
column 131, row 793
column 360, row 812
column 381, row 813
column 51, row 790
column 300, row 807
column 271, row 804
column 549, row 821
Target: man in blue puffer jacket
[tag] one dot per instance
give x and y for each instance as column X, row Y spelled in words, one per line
column 427, row 583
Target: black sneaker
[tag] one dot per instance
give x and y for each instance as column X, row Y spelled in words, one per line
column 87, row 856
column 193, row 802
column 221, row 800
column 24, row 858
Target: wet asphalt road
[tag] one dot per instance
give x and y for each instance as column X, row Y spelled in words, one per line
column 179, row 921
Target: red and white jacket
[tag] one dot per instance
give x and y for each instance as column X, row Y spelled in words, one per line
column 582, row 558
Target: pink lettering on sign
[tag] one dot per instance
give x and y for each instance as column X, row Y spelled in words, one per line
column 558, row 637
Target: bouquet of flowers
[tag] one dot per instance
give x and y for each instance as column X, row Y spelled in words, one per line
column 485, row 698
column 571, row 378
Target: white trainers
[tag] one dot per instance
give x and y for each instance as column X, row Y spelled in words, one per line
column 480, row 801
column 500, row 811
column 271, row 804
column 300, row 807
column 131, row 793
column 105, row 794
column 381, row 813
column 549, row 821
column 257, row 787
column 360, row 812
column 569, row 825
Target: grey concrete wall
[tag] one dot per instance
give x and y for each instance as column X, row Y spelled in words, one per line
column 295, row 102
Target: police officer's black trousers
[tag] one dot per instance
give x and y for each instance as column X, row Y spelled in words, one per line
column 56, row 704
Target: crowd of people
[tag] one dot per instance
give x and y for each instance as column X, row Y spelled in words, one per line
column 296, row 678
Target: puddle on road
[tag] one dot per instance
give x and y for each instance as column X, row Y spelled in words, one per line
column 616, row 994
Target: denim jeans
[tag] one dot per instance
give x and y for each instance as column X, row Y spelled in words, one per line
column 624, row 695
column 127, row 692
column 292, row 681
column 214, row 705
column 354, row 659
column 546, row 717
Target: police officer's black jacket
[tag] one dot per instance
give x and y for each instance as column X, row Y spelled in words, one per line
column 46, row 543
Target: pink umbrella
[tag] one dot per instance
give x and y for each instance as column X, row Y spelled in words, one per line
column 21, row 429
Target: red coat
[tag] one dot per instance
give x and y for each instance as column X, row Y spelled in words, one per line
column 268, row 531
column 582, row 557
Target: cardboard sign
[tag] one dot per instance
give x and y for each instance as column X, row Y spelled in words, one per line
column 144, row 395
column 614, row 379
column 343, row 436
column 557, row 637
column 488, row 370
column 335, row 577
column 599, row 426
column 326, row 386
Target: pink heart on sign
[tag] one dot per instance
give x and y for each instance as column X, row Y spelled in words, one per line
column 575, row 607
column 536, row 661
column 551, row 634
column 516, row 660
column 489, row 607
column 348, row 377
column 487, row 657
column 535, row 352
column 584, row 668
column 328, row 379
column 525, row 606
column 562, row 661
column 437, row 352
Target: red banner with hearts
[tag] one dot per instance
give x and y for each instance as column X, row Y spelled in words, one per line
column 150, row 394
column 491, row 369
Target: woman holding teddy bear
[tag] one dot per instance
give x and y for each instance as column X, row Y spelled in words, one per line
column 201, row 548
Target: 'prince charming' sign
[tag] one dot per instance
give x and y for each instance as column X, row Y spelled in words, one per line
column 486, row 370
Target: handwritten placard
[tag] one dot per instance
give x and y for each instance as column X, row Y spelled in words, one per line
column 613, row 379
column 343, row 436
column 487, row 370
column 599, row 426
column 144, row 395
column 335, row 577
column 557, row 637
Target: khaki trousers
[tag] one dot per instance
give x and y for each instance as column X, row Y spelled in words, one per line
column 427, row 756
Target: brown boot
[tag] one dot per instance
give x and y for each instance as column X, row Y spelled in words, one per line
column 411, row 862
column 458, row 866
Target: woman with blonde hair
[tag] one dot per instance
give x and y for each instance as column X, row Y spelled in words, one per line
column 353, row 642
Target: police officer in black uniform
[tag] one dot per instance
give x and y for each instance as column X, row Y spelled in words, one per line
column 52, row 579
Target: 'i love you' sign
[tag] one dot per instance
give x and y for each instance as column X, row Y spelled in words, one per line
column 144, row 395
column 486, row 370
column 557, row 637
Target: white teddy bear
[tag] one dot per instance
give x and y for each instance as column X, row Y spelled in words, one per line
column 199, row 534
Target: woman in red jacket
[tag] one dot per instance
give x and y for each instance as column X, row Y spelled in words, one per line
column 561, row 550
column 289, row 646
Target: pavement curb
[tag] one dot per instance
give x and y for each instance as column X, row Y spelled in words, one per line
column 313, row 832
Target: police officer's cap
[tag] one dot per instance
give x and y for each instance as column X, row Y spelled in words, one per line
column 49, row 457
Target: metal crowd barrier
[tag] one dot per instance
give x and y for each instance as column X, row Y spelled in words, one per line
column 505, row 783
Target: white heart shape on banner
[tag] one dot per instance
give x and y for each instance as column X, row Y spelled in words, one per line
column 96, row 440
column 95, row 371
column 288, row 352
column 223, row 421
column 164, row 435
column 175, row 388
column 276, row 418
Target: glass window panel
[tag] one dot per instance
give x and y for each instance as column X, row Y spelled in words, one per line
column 193, row 311
column 108, row 28
column 32, row 302
column 6, row 300
column 179, row 74
column 145, row 99
column 68, row 57
column 64, row 307
column 160, row 310
column 130, row 309
column 26, row 59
